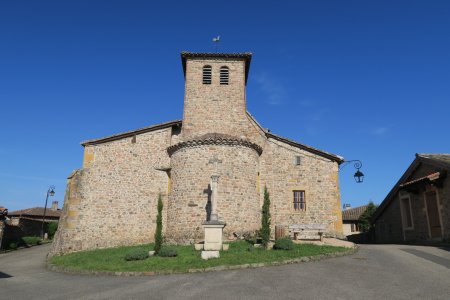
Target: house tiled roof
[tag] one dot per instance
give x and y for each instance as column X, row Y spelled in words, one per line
column 35, row 211
column 353, row 214
column 427, row 178
column 439, row 158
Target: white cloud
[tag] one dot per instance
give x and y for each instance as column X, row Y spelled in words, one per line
column 275, row 92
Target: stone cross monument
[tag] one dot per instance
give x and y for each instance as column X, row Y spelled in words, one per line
column 213, row 228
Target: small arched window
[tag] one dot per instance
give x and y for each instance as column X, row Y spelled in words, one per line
column 207, row 75
column 224, row 75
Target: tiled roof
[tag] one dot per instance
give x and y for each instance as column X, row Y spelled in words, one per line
column 35, row 211
column 337, row 158
column 246, row 55
column 353, row 214
column 125, row 134
column 214, row 139
column 430, row 177
column 440, row 158
column 131, row 133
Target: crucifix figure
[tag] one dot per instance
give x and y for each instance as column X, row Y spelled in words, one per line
column 214, row 181
column 215, row 161
column 213, row 184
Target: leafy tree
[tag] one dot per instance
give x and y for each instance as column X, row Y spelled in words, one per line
column 364, row 219
column 265, row 220
column 158, row 233
column 52, row 227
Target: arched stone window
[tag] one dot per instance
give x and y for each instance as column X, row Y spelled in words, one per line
column 207, row 75
column 224, row 75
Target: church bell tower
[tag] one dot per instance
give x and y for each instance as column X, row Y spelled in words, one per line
column 214, row 100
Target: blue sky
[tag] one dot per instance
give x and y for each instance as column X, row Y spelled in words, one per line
column 367, row 80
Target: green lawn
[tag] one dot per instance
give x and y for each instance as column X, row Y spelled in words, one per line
column 112, row 259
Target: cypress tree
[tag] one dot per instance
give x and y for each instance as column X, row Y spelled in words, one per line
column 265, row 220
column 158, row 232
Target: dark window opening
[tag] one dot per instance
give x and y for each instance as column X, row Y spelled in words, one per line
column 224, row 75
column 207, row 74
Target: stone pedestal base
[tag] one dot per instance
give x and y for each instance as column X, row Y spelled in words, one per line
column 210, row 254
column 213, row 235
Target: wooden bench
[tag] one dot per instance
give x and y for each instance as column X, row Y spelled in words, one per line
column 307, row 231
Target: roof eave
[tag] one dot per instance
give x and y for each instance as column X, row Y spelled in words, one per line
column 130, row 133
column 327, row 155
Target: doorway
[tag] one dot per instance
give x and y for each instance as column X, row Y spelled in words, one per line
column 434, row 222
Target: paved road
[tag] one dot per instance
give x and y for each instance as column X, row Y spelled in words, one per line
column 375, row 272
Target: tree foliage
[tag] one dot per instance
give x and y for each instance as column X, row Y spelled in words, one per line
column 364, row 219
column 265, row 220
column 51, row 228
column 158, row 232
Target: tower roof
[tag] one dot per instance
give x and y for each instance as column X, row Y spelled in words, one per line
column 246, row 56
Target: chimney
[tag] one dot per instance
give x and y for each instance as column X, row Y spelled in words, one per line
column 347, row 206
column 54, row 205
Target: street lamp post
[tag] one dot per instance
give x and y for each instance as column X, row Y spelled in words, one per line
column 51, row 193
column 359, row 176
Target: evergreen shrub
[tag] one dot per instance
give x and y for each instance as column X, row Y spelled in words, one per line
column 284, row 243
column 136, row 254
column 168, row 252
column 158, row 232
column 265, row 220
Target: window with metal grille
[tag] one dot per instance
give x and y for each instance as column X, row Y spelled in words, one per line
column 207, row 75
column 224, row 75
column 299, row 201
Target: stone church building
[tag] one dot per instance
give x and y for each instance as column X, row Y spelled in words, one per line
column 112, row 199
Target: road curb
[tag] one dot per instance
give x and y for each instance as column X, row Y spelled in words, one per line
column 304, row 259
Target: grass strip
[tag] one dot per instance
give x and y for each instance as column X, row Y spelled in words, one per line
column 113, row 259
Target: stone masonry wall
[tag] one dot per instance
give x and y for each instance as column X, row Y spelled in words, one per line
column 214, row 107
column 316, row 175
column 388, row 227
column 238, row 200
column 112, row 200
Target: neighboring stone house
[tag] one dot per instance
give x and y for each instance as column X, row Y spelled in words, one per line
column 350, row 219
column 29, row 220
column 112, row 200
column 417, row 209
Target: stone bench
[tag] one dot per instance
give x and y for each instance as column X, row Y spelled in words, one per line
column 307, row 231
